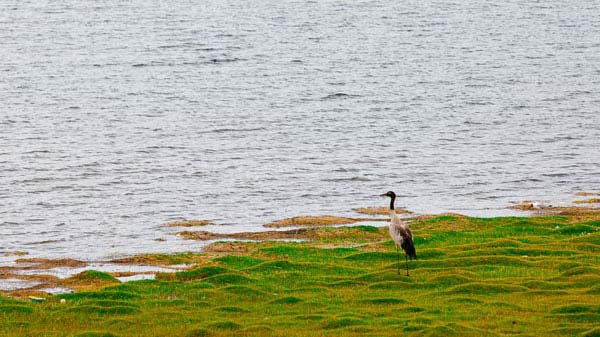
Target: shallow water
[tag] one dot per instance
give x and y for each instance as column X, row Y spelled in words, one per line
column 117, row 117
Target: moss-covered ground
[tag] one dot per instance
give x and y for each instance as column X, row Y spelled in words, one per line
column 537, row 276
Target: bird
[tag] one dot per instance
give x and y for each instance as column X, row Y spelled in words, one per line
column 400, row 233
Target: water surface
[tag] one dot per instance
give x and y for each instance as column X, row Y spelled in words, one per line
column 119, row 116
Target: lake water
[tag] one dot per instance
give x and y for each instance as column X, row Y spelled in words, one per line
column 119, row 116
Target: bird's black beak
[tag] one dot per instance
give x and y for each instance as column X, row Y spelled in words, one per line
column 383, row 195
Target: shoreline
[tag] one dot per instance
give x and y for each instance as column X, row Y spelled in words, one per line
column 540, row 273
column 161, row 237
column 40, row 275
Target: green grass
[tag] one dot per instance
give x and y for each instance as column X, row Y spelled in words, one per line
column 535, row 276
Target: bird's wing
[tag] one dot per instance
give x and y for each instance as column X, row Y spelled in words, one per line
column 408, row 244
column 405, row 232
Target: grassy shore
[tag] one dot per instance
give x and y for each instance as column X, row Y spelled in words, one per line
column 535, row 276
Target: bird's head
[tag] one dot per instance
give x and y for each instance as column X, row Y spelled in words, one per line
column 389, row 194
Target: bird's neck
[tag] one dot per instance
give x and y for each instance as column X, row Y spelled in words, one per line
column 392, row 211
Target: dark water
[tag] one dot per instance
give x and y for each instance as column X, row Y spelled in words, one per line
column 118, row 116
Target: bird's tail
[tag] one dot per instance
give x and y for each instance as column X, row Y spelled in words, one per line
column 410, row 250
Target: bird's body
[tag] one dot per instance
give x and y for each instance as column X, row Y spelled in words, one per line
column 400, row 233
column 402, row 236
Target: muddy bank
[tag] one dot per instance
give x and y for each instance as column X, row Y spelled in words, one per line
column 380, row 211
column 576, row 213
column 311, row 233
column 316, row 221
column 587, row 201
column 586, row 194
column 37, row 276
column 189, row 223
column 39, row 263
column 297, row 234
column 226, row 247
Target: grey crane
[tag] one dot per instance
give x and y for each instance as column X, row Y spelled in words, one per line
column 400, row 233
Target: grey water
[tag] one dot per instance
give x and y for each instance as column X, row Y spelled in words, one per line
column 119, row 116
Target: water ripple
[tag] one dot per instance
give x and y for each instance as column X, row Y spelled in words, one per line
column 248, row 114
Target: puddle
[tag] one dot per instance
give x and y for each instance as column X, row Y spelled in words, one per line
column 57, row 290
column 133, row 272
column 64, row 272
column 11, row 284
column 136, row 277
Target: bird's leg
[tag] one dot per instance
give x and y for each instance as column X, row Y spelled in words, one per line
column 406, row 256
column 398, row 264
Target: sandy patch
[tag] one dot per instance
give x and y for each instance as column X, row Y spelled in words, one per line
column 526, row 205
column 164, row 261
column 587, row 201
column 586, row 194
column 38, row 263
column 189, row 223
column 576, row 213
column 300, row 233
column 311, row 233
column 226, row 247
column 380, row 211
column 17, row 253
column 315, row 221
